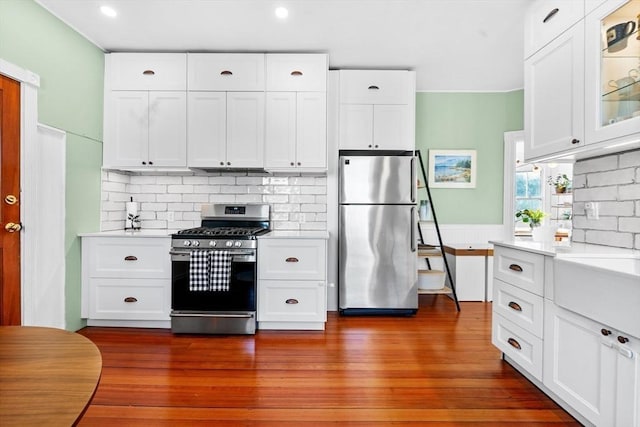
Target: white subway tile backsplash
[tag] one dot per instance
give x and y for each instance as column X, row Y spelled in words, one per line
column 297, row 202
column 614, row 183
column 617, row 177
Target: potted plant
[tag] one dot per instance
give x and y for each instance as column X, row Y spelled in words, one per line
column 533, row 217
column 561, row 182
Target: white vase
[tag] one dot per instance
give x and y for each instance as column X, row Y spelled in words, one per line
column 537, row 234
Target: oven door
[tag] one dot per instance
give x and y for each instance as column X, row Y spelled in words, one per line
column 226, row 312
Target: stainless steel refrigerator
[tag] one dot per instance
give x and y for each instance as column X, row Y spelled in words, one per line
column 377, row 233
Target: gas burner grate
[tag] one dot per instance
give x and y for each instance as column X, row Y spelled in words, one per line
column 223, row 231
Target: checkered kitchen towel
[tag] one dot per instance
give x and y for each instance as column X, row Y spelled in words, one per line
column 199, row 270
column 219, row 270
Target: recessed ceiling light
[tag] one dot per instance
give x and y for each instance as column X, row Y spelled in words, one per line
column 108, row 11
column 282, row 12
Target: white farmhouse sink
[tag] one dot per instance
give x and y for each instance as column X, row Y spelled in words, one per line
column 606, row 290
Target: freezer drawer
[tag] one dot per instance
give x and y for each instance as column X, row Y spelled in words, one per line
column 378, row 258
column 377, row 179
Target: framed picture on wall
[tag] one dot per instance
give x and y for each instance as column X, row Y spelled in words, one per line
column 452, row 168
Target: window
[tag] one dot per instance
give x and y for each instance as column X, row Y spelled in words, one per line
column 528, row 191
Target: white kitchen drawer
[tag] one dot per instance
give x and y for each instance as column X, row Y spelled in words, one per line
column 292, row 259
column 296, row 72
column 226, row 71
column 375, row 87
column 520, row 345
column 148, row 299
column 543, row 23
column 124, row 257
column 291, row 301
column 519, row 268
column 147, row 71
column 520, row 307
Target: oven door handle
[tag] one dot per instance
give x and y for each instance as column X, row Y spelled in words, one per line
column 233, row 253
column 239, row 316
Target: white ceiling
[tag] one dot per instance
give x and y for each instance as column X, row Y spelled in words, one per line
column 453, row 45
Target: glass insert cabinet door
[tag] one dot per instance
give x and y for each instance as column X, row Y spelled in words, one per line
column 620, row 64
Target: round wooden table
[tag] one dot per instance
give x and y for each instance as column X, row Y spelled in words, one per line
column 47, row 376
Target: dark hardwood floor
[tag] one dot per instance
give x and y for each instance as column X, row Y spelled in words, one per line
column 437, row 368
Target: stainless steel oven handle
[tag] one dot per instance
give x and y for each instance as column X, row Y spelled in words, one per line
column 239, row 316
column 184, row 257
column 234, row 253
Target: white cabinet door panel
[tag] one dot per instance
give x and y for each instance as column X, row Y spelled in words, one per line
column 311, row 130
column 147, row 71
column 168, row 128
column 356, row 126
column 245, row 129
column 127, row 133
column 391, row 127
column 280, row 130
column 554, row 99
column 207, row 129
column 547, row 19
column 226, row 71
column 297, row 72
column 375, row 87
column 291, row 301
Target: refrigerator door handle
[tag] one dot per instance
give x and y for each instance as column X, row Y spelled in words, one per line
column 413, row 229
column 413, row 179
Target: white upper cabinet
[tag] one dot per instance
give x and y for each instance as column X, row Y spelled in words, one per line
column 296, row 111
column 245, row 129
column 207, row 124
column 377, row 110
column 148, row 71
column 297, row 72
column 226, row 71
column 613, row 66
column 547, row 19
column 554, row 95
column 145, row 111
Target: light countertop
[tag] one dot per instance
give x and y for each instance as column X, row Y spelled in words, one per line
column 567, row 249
column 295, row 234
column 130, row 233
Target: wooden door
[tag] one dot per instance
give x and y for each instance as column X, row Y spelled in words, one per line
column 9, row 202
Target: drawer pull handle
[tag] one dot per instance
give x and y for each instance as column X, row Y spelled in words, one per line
column 296, row 73
column 605, row 332
column 373, row 87
column 575, row 141
column 550, row 15
column 131, row 258
column 131, row 299
column 226, row 73
column 514, row 305
column 292, row 259
column 291, row 301
column 148, row 73
column 515, row 267
column 622, row 340
column 514, row 343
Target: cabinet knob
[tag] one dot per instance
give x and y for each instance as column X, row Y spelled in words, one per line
column 291, row 301
column 605, row 332
column 515, row 267
column 575, row 141
column 150, row 162
column 226, row 73
column 369, row 146
column 376, row 146
column 292, row 259
column 221, row 163
column 296, row 73
column 144, row 163
column 373, row 87
column 148, row 73
column 550, row 15
column 299, row 164
column 131, row 299
column 131, row 258
column 515, row 306
column 622, row 340
column 292, row 164
column 514, row 343
column 228, row 163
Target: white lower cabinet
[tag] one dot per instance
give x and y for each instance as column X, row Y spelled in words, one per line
column 126, row 281
column 292, row 283
column 593, row 368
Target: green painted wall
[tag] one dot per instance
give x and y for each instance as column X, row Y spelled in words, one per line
column 469, row 121
column 71, row 71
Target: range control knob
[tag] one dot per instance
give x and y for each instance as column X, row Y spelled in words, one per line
column 186, row 243
column 212, row 243
column 237, row 244
column 195, row 243
column 229, row 243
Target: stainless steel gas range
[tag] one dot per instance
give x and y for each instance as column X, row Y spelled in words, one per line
column 214, row 272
